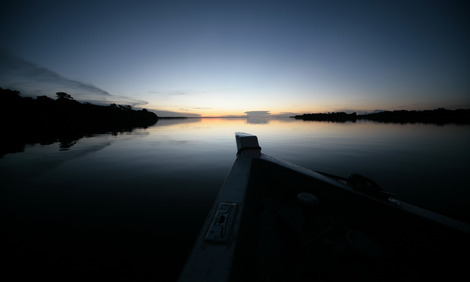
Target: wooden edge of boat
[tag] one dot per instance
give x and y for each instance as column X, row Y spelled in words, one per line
column 211, row 260
column 214, row 249
column 441, row 219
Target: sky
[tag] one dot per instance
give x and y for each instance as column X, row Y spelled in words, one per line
column 229, row 58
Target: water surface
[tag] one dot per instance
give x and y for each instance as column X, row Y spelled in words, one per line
column 129, row 206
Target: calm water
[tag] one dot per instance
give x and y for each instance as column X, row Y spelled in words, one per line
column 129, row 206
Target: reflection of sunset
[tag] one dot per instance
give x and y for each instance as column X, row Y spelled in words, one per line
column 377, row 150
column 141, row 185
column 281, row 130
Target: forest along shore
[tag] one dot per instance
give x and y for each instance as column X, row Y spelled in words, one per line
column 439, row 116
column 43, row 120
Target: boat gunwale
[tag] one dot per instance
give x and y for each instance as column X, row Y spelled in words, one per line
column 213, row 261
column 393, row 202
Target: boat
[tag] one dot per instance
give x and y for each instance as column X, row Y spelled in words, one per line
column 275, row 221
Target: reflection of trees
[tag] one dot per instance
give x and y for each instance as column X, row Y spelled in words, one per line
column 44, row 120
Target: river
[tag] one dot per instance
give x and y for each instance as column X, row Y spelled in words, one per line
column 129, row 206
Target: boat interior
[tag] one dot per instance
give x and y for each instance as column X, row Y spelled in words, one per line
column 300, row 226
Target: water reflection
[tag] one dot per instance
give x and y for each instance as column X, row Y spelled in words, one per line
column 258, row 120
column 131, row 200
column 418, row 162
column 19, row 139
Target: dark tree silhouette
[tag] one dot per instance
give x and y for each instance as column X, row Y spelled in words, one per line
column 45, row 120
column 335, row 117
column 438, row 116
column 64, row 96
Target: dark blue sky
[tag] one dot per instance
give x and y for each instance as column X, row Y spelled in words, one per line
column 229, row 57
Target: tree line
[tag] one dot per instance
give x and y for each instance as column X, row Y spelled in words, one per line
column 438, row 116
column 45, row 120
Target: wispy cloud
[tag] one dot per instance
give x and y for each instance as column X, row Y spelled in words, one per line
column 34, row 80
column 162, row 113
column 268, row 114
column 257, row 113
column 170, row 92
column 182, row 92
